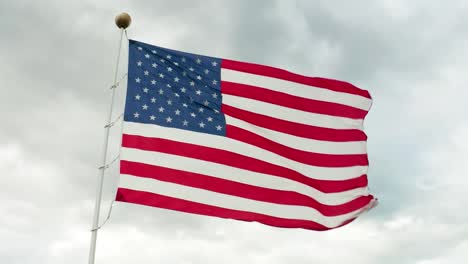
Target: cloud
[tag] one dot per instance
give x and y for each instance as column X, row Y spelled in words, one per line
column 57, row 66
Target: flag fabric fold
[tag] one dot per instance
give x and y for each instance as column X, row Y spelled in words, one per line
column 243, row 141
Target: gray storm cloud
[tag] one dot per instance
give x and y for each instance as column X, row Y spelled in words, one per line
column 56, row 67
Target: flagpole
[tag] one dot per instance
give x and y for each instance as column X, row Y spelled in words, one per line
column 122, row 21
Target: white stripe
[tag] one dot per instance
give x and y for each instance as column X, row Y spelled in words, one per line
column 296, row 89
column 231, row 145
column 232, row 202
column 292, row 115
column 238, row 175
column 300, row 143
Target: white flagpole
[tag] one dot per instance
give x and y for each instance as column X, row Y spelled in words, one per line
column 122, row 21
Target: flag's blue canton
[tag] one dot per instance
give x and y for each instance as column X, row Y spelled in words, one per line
column 174, row 89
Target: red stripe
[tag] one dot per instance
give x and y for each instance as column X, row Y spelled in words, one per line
column 329, row 84
column 239, row 189
column 171, row 203
column 239, row 161
column 300, row 130
column 291, row 101
column 310, row 158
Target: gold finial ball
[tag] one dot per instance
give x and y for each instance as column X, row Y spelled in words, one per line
column 123, row 20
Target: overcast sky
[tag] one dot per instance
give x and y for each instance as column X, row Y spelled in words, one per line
column 56, row 64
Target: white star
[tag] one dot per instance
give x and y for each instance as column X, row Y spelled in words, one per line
column 202, row 125
column 145, row 90
column 152, row 117
column 215, row 82
column 154, row 52
column 206, row 71
column 176, row 95
column 168, row 85
column 183, row 59
column 198, row 61
column 184, row 105
column 161, row 75
column 193, row 114
column 161, row 109
column 185, row 123
column 161, row 91
column 210, row 119
column 176, row 63
column 215, row 95
column 168, row 119
column 214, row 63
column 146, row 72
column 136, row 115
column 177, row 112
column 183, row 89
column 145, row 107
column 198, row 77
column 147, row 55
column 154, row 65
column 218, row 127
column 162, row 60
column 192, row 83
column 198, row 92
column 176, row 79
column 201, row 109
column 140, row 48
column 169, row 69
column 216, row 111
column 137, row 80
column 137, row 97
column 139, row 63
column 168, row 56
column 153, row 82
column 191, row 69
column 153, row 100
column 184, row 73
column 169, row 102
column 206, row 103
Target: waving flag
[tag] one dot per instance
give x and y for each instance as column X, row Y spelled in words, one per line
column 243, row 141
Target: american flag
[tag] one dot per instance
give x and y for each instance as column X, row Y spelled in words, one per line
column 243, row 141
